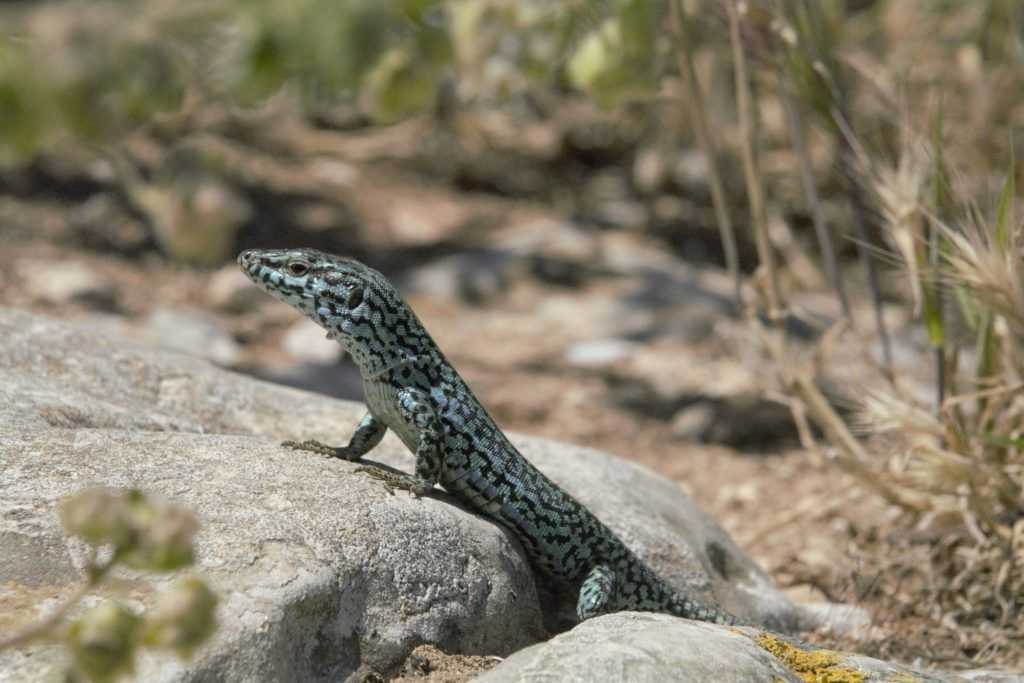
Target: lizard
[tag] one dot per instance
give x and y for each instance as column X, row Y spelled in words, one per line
column 412, row 389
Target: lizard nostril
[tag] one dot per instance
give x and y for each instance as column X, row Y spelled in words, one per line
column 247, row 258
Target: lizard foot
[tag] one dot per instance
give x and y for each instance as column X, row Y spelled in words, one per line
column 315, row 446
column 395, row 481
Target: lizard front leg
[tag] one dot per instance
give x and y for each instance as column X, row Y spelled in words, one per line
column 367, row 435
column 417, row 410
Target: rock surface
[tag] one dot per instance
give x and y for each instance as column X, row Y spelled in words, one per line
column 637, row 647
column 193, row 332
column 320, row 572
column 633, row 646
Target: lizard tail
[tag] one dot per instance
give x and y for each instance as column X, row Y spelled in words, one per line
column 690, row 608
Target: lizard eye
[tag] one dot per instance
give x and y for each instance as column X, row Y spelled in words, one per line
column 355, row 297
column 298, row 268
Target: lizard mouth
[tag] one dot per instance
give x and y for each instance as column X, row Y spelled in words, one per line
column 249, row 262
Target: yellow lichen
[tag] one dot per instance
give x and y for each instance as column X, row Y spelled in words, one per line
column 813, row 666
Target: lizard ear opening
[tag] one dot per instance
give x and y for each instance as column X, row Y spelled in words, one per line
column 355, row 297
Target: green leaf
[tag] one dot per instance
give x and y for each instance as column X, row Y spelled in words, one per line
column 933, row 319
column 99, row 516
column 811, row 62
column 616, row 61
column 165, row 535
column 969, row 308
column 933, row 312
column 400, row 84
column 102, row 642
column 986, row 345
column 183, row 618
column 420, row 11
column 26, row 109
column 1000, row 441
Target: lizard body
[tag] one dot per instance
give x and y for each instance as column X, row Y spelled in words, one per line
column 412, row 389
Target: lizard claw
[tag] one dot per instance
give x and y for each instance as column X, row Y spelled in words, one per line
column 393, row 481
column 315, row 446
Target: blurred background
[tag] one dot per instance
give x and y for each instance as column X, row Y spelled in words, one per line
column 766, row 248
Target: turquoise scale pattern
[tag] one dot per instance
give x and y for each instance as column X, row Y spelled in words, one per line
column 412, row 389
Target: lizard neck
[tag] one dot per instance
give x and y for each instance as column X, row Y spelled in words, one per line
column 382, row 344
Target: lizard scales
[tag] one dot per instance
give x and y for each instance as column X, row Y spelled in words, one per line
column 412, row 389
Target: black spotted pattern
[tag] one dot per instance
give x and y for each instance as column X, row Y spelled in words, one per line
column 412, row 389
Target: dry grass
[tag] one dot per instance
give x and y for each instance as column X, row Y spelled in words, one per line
column 954, row 563
column 957, row 568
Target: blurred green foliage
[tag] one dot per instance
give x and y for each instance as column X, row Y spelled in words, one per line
column 617, row 58
column 393, row 51
column 80, row 76
column 91, row 71
column 126, row 528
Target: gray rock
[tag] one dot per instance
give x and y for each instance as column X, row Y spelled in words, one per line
column 877, row 671
column 321, row 573
column 193, row 332
column 638, row 647
column 635, row 647
column 991, row 676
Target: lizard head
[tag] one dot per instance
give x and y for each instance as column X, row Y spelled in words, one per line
column 353, row 302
